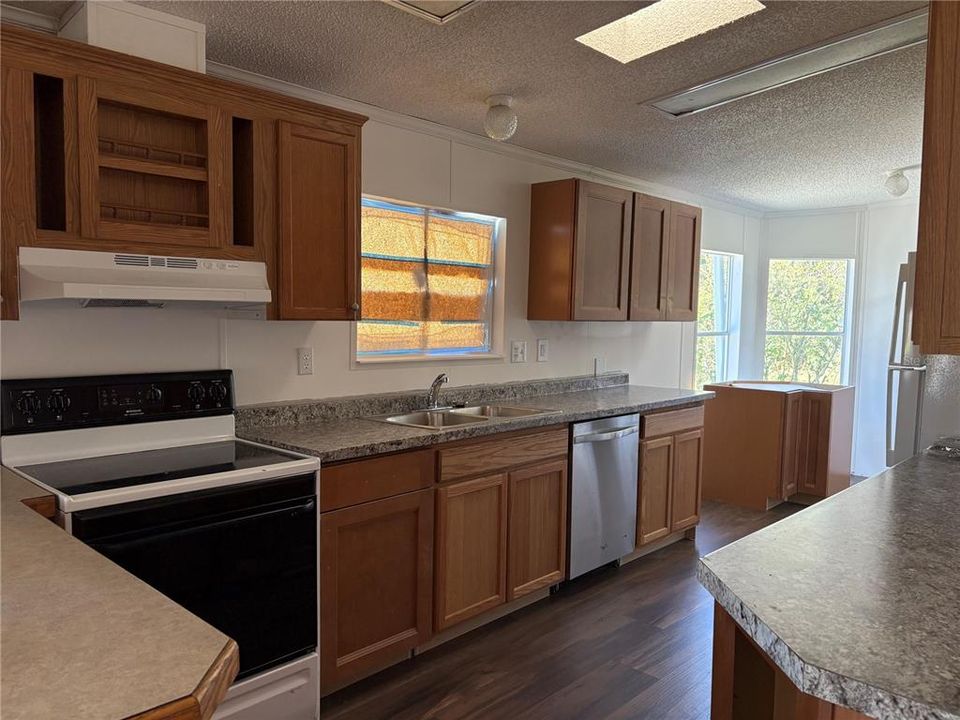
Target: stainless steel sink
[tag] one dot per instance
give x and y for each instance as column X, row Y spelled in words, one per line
column 506, row 411
column 433, row 419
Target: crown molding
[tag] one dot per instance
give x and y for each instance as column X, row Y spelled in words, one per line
column 29, row 19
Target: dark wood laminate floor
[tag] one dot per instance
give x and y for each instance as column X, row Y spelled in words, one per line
column 627, row 643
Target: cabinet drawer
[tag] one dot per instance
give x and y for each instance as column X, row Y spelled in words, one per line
column 361, row 481
column 672, row 421
column 488, row 456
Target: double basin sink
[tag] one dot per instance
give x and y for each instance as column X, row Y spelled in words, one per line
column 446, row 419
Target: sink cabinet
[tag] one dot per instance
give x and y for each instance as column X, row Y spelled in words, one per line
column 501, row 521
column 110, row 152
column 604, row 253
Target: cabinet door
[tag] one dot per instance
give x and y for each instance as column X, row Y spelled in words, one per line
column 687, row 471
column 471, row 558
column 683, row 272
column 538, row 527
column 648, row 263
column 602, row 253
column 319, row 216
column 375, row 585
column 152, row 168
column 936, row 319
column 656, row 479
column 790, row 455
column 814, row 443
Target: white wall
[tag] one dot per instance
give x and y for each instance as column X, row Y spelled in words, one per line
column 405, row 159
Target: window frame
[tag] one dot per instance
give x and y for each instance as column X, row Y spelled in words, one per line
column 734, row 313
column 845, row 335
column 495, row 305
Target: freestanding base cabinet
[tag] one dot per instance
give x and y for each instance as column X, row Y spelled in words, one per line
column 765, row 442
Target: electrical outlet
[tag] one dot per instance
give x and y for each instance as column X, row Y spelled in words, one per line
column 518, row 351
column 305, row 361
column 543, row 349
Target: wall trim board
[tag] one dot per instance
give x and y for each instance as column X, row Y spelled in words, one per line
column 29, row 19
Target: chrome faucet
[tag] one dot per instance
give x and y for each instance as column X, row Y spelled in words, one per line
column 433, row 396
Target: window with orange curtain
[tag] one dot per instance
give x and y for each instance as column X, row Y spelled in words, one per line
column 426, row 278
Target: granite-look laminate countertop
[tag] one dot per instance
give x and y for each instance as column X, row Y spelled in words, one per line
column 347, row 438
column 857, row 598
column 82, row 638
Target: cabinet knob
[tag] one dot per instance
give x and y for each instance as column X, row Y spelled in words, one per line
column 355, row 307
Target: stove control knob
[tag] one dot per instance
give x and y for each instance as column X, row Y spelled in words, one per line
column 28, row 404
column 154, row 394
column 218, row 391
column 195, row 393
column 58, row 402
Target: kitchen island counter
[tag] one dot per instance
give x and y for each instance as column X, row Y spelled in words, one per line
column 83, row 639
column 857, row 599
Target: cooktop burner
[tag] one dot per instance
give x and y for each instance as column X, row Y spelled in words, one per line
column 107, row 472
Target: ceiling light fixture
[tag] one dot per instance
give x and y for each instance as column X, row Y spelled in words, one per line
column 897, row 183
column 901, row 32
column 501, row 120
column 664, row 23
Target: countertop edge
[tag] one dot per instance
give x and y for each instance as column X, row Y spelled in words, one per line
column 808, row 677
column 426, row 438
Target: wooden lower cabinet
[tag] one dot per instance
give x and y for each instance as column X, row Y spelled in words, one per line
column 376, row 582
column 537, row 537
column 747, row 685
column 656, row 477
column 687, row 471
column 671, row 472
column 471, row 550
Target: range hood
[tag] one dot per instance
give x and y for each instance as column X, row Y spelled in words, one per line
column 106, row 279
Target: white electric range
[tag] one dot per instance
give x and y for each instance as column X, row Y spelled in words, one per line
column 146, row 470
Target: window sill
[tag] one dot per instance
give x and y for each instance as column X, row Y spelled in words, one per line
column 424, row 359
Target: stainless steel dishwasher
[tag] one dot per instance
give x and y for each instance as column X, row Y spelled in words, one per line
column 603, row 505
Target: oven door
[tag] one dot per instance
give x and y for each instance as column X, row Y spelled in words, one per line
column 242, row 558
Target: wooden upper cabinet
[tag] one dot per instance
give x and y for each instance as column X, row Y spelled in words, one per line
column 110, row 152
column 319, row 223
column 603, row 253
column 537, row 555
column 376, row 576
column 683, row 273
column 648, row 266
column 152, row 167
column 936, row 320
column 471, row 549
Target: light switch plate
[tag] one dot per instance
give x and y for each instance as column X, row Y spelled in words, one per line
column 518, row 351
column 543, row 349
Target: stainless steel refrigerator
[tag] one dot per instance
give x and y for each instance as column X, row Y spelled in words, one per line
column 923, row 391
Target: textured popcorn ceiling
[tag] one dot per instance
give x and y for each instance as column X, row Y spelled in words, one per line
column 821, row 142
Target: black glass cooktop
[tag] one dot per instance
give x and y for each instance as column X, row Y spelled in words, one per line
column 107, row 472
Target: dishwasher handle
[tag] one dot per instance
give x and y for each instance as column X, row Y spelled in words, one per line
column 607, row 435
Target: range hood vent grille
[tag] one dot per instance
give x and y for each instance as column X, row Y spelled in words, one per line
column 156, row 261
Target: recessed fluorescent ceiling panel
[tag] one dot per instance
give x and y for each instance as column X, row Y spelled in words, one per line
column 902, row 32
column 436, row 11
column 664, row 23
